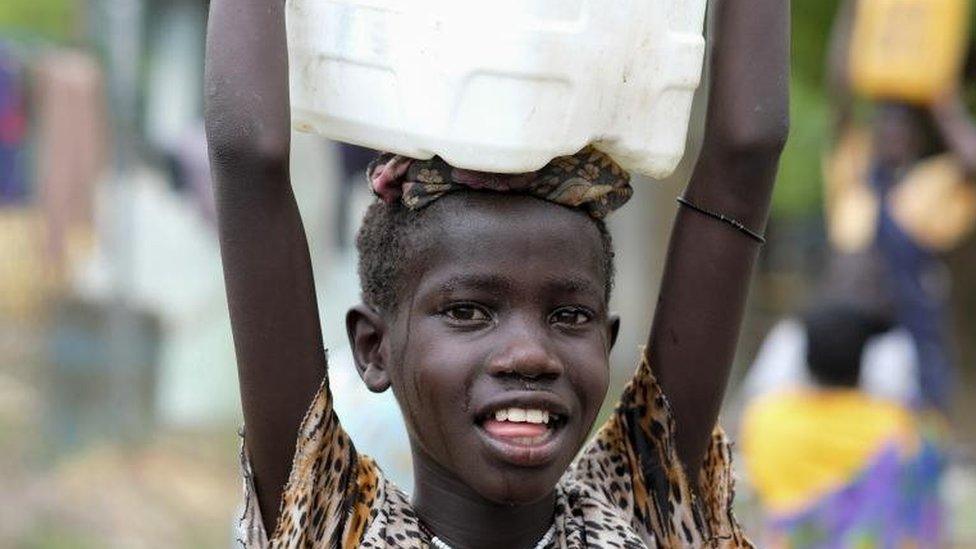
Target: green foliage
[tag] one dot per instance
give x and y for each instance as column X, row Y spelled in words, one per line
column 799, row 188
column 48, row 534
column 812, row 20
column 47, row 19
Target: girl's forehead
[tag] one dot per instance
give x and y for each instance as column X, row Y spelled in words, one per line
column 514, row 258
column 481, row 215
column 521, row 234
column 505, row 242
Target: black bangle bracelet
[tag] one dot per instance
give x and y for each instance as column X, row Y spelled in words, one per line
column 736, row 224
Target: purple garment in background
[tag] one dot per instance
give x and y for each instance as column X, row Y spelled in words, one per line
column 892, row 502
column 13, row 132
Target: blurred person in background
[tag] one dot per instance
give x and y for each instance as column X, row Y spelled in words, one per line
column 900, row 186
column 835, row 461
column 844, row 436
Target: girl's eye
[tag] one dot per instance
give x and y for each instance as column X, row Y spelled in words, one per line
column 571, row 316
column 467, row 313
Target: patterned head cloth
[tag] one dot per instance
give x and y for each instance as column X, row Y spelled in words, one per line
column 588, row 180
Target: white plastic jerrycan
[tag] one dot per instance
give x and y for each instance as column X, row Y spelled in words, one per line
column 499, row 85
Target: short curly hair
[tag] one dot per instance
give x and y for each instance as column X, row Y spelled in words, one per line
column 391, row 233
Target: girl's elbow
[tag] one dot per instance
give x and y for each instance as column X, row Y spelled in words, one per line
column 235, row 139
column 242, row 149
column 759, row 137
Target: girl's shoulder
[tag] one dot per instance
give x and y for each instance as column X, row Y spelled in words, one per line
column 633, row 468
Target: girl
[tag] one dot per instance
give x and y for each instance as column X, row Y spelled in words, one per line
column 485, row 311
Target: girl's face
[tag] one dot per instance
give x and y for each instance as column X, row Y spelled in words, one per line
column 500, row 346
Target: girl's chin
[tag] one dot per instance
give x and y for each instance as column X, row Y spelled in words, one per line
column 519, row 472
column 521, row 492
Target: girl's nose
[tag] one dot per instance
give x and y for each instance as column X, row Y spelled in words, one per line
column 525, row 353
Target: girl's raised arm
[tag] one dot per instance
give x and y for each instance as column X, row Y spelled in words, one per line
column 957, row 129
column 267, row 269
column 709, row 265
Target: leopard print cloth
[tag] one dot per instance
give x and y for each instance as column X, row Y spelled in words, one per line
column 627, row 489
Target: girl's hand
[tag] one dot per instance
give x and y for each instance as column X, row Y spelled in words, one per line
column 956, row 127
column 948, row 105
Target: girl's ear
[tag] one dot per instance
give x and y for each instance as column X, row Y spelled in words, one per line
column 614, row 327
column 367, row 331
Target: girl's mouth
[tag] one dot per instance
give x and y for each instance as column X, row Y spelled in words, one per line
column 525, row 426
column 526, row 437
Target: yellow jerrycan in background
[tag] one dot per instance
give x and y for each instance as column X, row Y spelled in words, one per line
column 910, row 50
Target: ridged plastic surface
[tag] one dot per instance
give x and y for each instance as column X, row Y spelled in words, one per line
column 500, row 85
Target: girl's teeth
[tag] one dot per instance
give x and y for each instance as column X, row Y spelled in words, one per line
column 523, row 415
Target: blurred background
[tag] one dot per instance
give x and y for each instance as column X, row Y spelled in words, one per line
column 119, row 408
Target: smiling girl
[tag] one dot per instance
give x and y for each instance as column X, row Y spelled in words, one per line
column 485, row 311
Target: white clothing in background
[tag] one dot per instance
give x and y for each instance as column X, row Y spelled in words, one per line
column 888, row 370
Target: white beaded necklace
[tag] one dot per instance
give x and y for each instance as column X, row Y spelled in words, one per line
column 543, row 543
